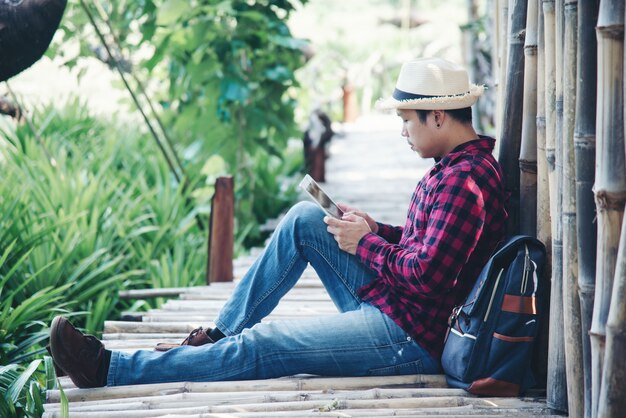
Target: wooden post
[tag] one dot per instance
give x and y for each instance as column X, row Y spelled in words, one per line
column 571, row 302
column 610, row 183
column 585, row 156
column 221, row 232
column 510, row 140
column 350, row 108
column 315, row 161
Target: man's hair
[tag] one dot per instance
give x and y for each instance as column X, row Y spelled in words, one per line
column 461, row 115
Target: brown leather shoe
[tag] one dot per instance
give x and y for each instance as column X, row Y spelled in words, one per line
column 81, row 356
column 198, row 337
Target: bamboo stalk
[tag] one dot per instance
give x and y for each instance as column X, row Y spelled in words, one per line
column 612, row 402
column 510, row 139
column 557, row 381
column 571, row 303
column 313, row 383
column 154, row 293
column 502, row 19
column 528, row 148
column 329, row 405
column 149, row 328
column 329, row 411
column 585, row 155
column 540, row 357
column 610, row 182
column 222, row 398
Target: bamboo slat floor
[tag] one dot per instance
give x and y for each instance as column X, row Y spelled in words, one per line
column 364, row 164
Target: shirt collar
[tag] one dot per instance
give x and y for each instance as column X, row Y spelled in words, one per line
column 481, row 144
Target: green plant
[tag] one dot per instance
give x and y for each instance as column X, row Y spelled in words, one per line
column 223, row 75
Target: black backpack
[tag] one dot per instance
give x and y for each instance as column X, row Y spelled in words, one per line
column 490, row 338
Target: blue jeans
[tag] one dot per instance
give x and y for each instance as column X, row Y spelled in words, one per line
column 358, row 341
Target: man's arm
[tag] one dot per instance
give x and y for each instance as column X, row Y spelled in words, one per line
column 455, row 224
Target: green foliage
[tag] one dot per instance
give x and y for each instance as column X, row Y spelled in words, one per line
column 89, row 206
column 76, row 230
column 20, row 390
column 222, row 72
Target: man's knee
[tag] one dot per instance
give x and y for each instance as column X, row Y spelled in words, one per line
column 306, row 211
column 305, row 216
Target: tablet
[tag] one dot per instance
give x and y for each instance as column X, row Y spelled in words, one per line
column 315, row 191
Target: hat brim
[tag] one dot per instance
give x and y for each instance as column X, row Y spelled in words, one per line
column 459, row 101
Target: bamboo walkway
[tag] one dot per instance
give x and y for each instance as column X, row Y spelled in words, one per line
column 371, row 168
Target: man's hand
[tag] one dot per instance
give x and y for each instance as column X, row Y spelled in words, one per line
column 350, row 210
column 348, row 231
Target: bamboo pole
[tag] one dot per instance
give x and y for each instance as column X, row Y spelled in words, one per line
column 258, row 396
column 612, row 400
column 528, row 148
column 333, row 404
column 571, row 303
column 295, row 383
column 540, row 358
column 610, row 181
column 557, row 381
column 510, row 141
column 502, row 19
column 585, row 156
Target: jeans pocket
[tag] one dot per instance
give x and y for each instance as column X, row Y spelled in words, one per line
column 412, row 367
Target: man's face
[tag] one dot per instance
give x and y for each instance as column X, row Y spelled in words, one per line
column 421, row 136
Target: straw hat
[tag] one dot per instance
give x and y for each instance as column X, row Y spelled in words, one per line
column 432, row 84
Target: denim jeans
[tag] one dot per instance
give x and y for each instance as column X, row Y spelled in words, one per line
column 357, row 341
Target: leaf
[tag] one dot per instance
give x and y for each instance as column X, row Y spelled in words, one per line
column 214, row 166
column 171, row 11
column 16, row 387
column 235, row 91
column 278, row 73
column 65, row 405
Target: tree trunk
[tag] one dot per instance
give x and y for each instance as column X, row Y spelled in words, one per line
column 528, row 152
column 510, row 141
column 610, row 183
column 571, row 303
column 557, row 382
column 585, row 156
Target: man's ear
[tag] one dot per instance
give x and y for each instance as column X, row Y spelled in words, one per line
column 439, row 116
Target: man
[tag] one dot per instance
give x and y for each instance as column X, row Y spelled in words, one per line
column 394, row 286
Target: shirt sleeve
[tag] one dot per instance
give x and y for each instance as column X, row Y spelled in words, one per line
column 455, row 223
column 389, row 233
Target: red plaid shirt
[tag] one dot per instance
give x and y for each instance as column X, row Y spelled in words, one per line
column 455, row 221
